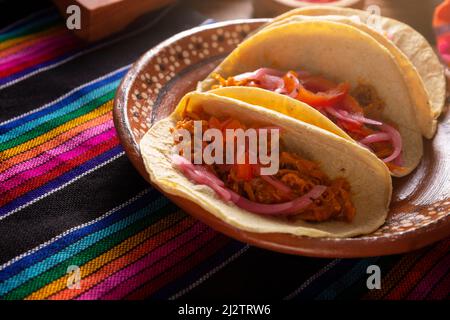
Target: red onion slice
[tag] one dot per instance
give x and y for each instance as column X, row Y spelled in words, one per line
column 258, row 74
column 272, row 83
column 340, row 116
column 202, row 170
column 201, row 176
column 360, row 118
column 396, row 139
column 277, row 184
column 287, row 208
column 376, row 137
column 389, row 133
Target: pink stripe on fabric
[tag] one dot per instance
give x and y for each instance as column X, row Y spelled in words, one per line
column 49, row 154
column 137, row 279
column 442, row 289
column 36, row 47
column 430, row 280
column 12, row 50
column 154, row 256
column 34, row 56
column 58, row 160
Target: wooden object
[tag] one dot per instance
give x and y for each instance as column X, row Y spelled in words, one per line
column 101, row 18
column 272, row 8
column 420, row 209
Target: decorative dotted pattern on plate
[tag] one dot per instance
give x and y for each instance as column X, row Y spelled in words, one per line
column 173, row 59
column 411, row 221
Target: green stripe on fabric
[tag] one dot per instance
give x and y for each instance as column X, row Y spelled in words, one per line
column 359, row 288
column 347, row 280
column 94, row 251
column 54, row 123
column 35, row 27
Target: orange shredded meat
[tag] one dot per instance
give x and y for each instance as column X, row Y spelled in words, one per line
column 295, row 172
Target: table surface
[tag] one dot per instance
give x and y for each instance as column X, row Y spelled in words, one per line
column 70, row 197
column 417, row 13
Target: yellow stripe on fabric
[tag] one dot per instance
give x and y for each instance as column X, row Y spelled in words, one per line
column 4, row 155
column 25, row 44
column 9, row 43
column 108, row 256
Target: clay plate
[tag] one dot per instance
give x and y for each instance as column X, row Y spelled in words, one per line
column 420, row 210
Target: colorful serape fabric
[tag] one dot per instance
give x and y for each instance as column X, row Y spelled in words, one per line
column 35, row 44
column 69, row 196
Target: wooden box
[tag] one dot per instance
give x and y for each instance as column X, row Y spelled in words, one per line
column 101, row 18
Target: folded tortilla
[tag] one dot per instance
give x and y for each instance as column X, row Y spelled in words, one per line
column 422, row 68
column 337, row 157
column 339, row 52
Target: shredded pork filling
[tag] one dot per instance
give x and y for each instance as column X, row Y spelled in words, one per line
column 345, row 107
column 296, row 178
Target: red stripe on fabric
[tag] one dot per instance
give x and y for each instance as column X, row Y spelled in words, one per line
column 22, row 46
column 29, row 154
column 64, row 153
column 418, row 272
column 442, row 290
column 167, row 262
column 63, row 168
column 49, row 155
column 42, row 44
column 38, row 59
column 395, row 274
column 150, row 244
column 430, row 280
column 185, row 266
column 153, row 257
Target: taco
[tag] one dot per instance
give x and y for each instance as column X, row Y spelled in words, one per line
column 324, row 186
column 407, row 45
column 340, row 71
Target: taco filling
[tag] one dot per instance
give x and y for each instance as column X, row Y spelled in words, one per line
column 299, row 189
column 349, row 109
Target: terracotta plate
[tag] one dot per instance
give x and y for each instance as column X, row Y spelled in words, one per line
column 420, row 210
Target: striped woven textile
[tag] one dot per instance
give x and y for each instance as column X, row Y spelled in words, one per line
column 69, row 196
column 35, row 44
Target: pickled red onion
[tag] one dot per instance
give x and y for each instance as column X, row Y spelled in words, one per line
column 277, row 184
column 339, row 116
column 360, row 118
column 287, row 208
column 389, row 133
column 201, row 176
column 272, row 83
column 202, row 170
column 258, row 74
column 396, row 139
column 376, row 137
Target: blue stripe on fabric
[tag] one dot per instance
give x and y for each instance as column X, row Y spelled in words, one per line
column 22, row 22
column 20, row 74
column 78, row 94
column 143, row 200
column 27, row 28
column 80, row 245
column 61, row 180
column 323, row 281
column 198, row 271
column 73, row 106
column 347, row 280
